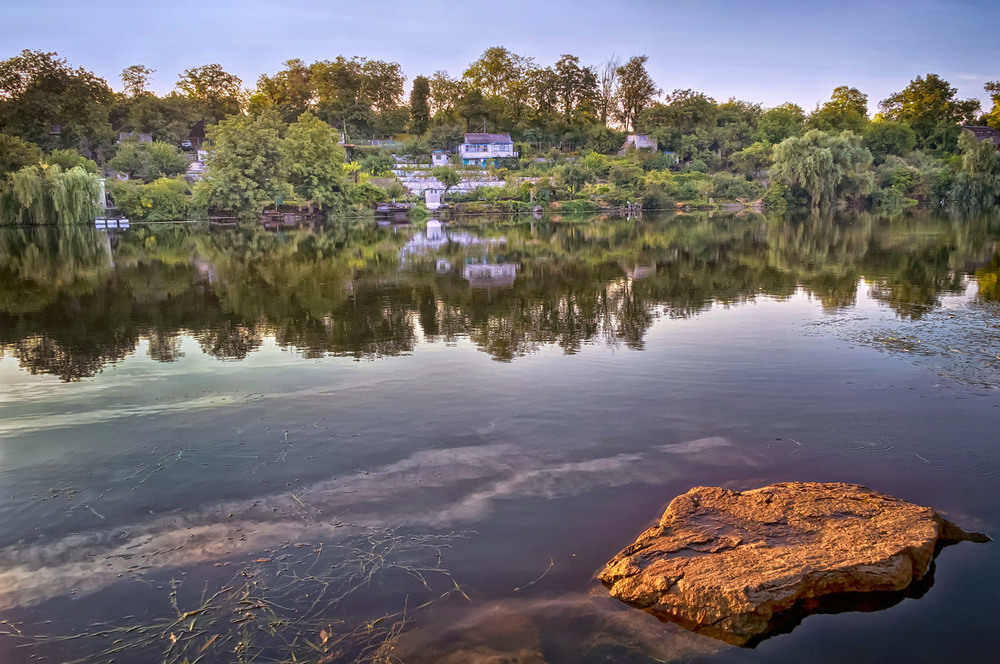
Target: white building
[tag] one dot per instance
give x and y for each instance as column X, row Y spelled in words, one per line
column 440, row 158
column 480, row 149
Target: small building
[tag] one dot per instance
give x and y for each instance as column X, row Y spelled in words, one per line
column 481, row 149
column 637, row 142
column 440, row 158
column 138, row 136
column 984, row 134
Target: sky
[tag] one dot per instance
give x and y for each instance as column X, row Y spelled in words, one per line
column 765, row 51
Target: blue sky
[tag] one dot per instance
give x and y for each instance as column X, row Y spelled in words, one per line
column 767, row 51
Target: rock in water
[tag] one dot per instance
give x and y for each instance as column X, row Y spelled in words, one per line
column 728, row 564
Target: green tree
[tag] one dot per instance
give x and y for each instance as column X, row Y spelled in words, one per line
column 447, row 176
column 576, row 88
column 289, row 92
column 636, row 90
column 827, row 167
column 978, row 183
column 245, row 168
column 148, row 161
column 46, row 194
column 420, row 109
column 928, row 105
column 135, row 79
column 847, row 109
column 885, row 137
column 314, row 162
column 752, row 159
column 776, row 124
column 16, row 153
column 46, row 102
column 169, row 119
column 993, row 117
column 218, row 93
column 70, row 159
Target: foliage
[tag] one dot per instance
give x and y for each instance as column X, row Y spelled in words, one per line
column 69, row 159
column 16, row 153
column 148, row 161
column 776, row 124
column 885, row 137
column 928, row 105
column 216, row 92
column 752, row 159
column 365, row 195
column 978, row 183
column 377, row 162
column 827, row 167
column 420, row 109
column 846, row 110
column 447, row 176
column 45, row 194
column 246, row 168
column 314, row 161
column 135, row 79
column 636, row 90
column 169, row 119
column 165, row 199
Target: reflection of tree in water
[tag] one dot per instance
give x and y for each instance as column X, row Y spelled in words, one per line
column 72, row 301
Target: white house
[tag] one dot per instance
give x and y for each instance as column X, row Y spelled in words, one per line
column 479, row 149
column 637, row 142
column 440, row 158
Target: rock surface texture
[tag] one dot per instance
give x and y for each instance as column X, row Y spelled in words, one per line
column 727, row 563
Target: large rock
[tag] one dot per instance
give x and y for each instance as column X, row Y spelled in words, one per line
column 732, row 564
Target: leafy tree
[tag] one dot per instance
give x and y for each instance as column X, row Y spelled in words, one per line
column 314, row 161
column 420, row 109
column 752, row 159
column 289, row 92
column 496, row 71
column 447, row 176
column 827, row 167
column 446, row 94
column 781, row 122
column 885, row 137
column 607, row 94
column 46, row 102
column 16, row 153
column 135, row 79
column 636, row 90
column 164, row 199
column 46, row 193
column 377, row 162
column 217, row 92
column 993, row 117
column 245, row 168
column 574, row 176
column 928, row 105
column 978, row 183
column 576, row 88
column 168, row 119
column 148, row 161
column 70, row 159
column 847, row 109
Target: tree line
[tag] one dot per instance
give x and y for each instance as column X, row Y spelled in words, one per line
column 833, row 152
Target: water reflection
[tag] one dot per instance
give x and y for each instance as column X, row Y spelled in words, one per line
column 74, row 300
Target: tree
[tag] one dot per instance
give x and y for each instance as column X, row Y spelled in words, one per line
column 607, row 95
column 148, row 161
column 496, row 70
column 46, row 193
column 245, row 168
column 289, row 92
column 781, row 122
column 978, row 184
column 446, row 93
column 885, row 137
column 752, row 159
column 216, row 91
column 16, row 153
column 929, row 106
column 420, row 109
column 314, row 161
column 135, row 78
column 169, row 119
column 993, row 117
column 636, row 90
column 847, row 109
column 447, row 176
column 576, row 87
column 827, row 167
column 47, row 103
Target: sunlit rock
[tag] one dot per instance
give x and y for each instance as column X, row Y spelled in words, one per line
column 739, row 566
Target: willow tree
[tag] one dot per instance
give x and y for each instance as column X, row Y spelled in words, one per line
column 827, row 167
column 48, row 194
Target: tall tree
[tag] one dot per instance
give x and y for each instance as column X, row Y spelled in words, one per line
column 607, row 95
column 46, row 102
column 245, row 168
column 778, row 123
column 16, row 153
column 636, row 90
column 290, row 92
column 827, row 167
column 929, row 106
column 576, row 86
column 847, row 109
column 135, row 79
column 496, row 70
column 420, row 108
column 314, row 161
column 993, row 117
column 217, row 92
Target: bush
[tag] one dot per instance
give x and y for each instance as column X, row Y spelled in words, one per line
column 728, row 187
column 165, row 199
column 579, row 206
column 654, row 197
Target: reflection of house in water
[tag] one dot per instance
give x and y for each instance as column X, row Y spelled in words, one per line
column 638, row 272
column 490, row 275
column 434, row 238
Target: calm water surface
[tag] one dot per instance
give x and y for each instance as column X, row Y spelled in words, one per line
column 421, row 444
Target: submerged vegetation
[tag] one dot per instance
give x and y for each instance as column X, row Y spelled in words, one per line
column 283, row 141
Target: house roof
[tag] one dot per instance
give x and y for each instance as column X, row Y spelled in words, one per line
column 985, row 133
column 483, row 139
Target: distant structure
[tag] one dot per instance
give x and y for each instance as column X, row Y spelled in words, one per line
column 440, row 158
column 637, row 142
column 140, row 136
column 984, row 134
column 480, row 149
